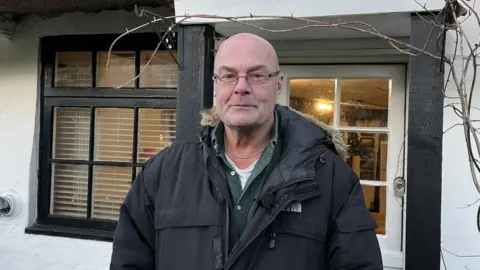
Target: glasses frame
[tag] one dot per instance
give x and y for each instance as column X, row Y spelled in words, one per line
column 270, row 75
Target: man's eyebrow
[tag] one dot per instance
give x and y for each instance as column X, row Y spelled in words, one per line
column 254, row 68
column 226, row 68
column 258, row 67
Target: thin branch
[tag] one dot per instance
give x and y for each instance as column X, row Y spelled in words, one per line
column 452, row 127
column 443, row 260
column 144, row 67
column 461, row 256
column 310, row 23
column 470, row 204
column 466, row 105
column 424, row 7
column 458, row 103
column 472, row 10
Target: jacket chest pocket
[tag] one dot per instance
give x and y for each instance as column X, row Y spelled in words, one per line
column 188, row 237
column 299, row 225
column 191, row 216
column 302, row 237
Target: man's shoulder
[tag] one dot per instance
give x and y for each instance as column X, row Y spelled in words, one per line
column 167, row 162
column 172, row 154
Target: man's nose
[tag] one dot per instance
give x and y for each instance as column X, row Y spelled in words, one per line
column 242, row 87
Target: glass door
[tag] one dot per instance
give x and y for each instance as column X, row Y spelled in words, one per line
column 367, row 104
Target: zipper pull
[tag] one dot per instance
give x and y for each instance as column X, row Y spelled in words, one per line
column 271, row 244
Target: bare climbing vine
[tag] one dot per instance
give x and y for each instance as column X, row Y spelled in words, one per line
column 461, row 66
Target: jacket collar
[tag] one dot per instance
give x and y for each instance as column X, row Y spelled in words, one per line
column 299, row 132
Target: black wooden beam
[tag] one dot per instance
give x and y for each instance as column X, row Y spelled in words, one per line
column 195, row 84
column 46, row 6
column 425, row 135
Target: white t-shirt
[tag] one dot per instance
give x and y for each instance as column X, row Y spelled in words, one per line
column 243, row 174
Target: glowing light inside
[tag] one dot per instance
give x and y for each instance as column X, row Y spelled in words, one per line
column 324, row 107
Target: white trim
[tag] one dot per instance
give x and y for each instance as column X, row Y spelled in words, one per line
column 373, row 183
column 363, row 129
column 392, row 259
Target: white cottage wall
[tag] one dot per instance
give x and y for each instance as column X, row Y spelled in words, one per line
column 18, row 95
column 460, row 235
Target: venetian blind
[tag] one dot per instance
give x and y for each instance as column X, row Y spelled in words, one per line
column 71, row 133
column 70, row 190
column 113, row 143
column 156, row 129
column 114, row 134
column 71, row 142
column 111, row 185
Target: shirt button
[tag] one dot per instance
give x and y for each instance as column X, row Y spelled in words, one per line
column 232, row 172
column 239, row 207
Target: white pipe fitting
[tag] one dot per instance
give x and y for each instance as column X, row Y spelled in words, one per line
column 10, row 204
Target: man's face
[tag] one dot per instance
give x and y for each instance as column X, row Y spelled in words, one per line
column 248, row 101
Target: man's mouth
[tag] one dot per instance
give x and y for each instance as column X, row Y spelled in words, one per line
column 243, row 105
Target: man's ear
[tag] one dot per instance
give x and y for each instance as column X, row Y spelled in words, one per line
column 279, row 84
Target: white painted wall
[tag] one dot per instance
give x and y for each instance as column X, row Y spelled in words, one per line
column 459, row 229
column 18, row 93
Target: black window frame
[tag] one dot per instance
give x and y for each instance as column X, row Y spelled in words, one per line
column 92, row 97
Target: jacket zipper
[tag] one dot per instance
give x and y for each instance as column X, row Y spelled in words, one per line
column 227, row 232
column 276, row 210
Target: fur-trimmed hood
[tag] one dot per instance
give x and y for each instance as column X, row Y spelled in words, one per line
column 210, row 118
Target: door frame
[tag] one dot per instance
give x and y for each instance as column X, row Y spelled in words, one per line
column 391, row 242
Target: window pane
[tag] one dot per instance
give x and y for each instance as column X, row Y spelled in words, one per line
column 119, row 71
column 314, row 97
column 113, row 134
column 73, row 69
column 364, row 102
column 376, row 202
column 368, row 154
column 110, row 186
column 156, row 130
column 70, row 190
column 161, row 72
column 71, row 133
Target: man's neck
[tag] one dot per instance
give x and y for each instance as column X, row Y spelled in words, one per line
column 245, row 142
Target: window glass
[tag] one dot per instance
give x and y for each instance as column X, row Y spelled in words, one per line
column 114, row 134
column 69, row 190
column 315, row 97
column 364, row 102
column 161, row 72
column 71, row 133
column 120, row 69
column 110, row 186
column 73, row 69
column 156, row 130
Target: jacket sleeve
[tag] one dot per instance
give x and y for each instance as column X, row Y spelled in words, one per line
column 353, row 242
column 134, row 240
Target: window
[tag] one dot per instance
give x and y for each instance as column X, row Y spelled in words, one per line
column 365, row 103
column 95, row 136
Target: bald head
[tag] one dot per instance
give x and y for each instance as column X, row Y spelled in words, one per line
column 248, row 47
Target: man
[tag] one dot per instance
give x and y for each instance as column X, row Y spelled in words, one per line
column 264, row 188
